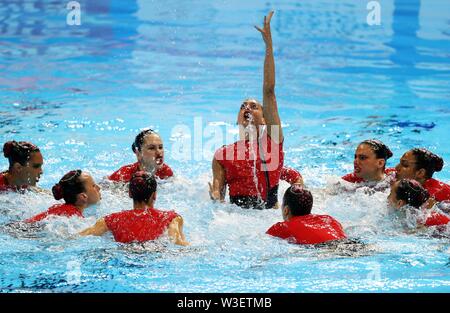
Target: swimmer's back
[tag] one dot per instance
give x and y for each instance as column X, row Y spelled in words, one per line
column 308, row 229
column 139, row 225
column 67, row 210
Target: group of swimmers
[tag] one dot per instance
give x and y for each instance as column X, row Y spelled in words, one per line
column 250, row 168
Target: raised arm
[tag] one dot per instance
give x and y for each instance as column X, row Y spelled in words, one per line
column 97, row 230
column 217, row 189
column 270, row 108
column 291, row 176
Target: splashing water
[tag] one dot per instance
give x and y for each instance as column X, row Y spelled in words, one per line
column 339, row 81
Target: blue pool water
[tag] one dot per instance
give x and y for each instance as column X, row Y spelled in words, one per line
column 83, row 92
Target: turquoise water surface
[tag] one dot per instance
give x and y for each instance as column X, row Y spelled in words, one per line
column 81, row 93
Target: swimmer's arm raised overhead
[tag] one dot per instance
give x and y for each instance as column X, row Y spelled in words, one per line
column 270, row 107
column 217, row 189
column 175, row 232
column 97, row 230
column 291, row 176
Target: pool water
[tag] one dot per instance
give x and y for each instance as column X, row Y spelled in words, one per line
column 81, row 93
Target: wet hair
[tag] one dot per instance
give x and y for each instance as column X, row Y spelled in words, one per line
column 427, row 160
column 142, row 186
column 380, row 149
column 139, row 140
column 412, row 192
column 69, row 187
column 298, row 199
column 18, row 152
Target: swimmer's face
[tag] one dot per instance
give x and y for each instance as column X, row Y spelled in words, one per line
column 366, row 164
column 393, row 201
column 32, row 171
column 151, row 155
column 92, row 190
column 407, row 168
column 251, row 112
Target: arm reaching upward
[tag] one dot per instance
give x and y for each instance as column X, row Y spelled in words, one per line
column 270, row 108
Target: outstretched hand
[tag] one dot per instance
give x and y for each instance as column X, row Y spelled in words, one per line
column 215, row 195
column 265, row 31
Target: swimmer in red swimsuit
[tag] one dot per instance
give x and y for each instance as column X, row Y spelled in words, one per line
column 144, row 222
column 370, row 162
column 420, row 164
column 410, row 194
column 79, row 191
column 302, row 227
column 251, row 167
column 25, row 166
column 149, row 150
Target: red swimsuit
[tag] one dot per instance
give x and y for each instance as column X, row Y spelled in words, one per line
column 436, row 219
column 290, row 175
column 352, row 178
column 439, row 190
column 125, row 173
column 3, row 183
column 139, row 225
column 249, row 177
column 67, row 210
column 308, row 229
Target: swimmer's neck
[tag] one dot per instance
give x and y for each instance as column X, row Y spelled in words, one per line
column 378, row 177
column 80, row 207
column 244, row 133
column 143, row 205
column 289, row 216
column 147, row 169
column 422, row 181
column 15, row 180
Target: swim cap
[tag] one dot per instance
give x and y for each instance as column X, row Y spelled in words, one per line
column 412, row 192
column 18, row 152
column 142, row 186
column 298, row 199
column 381, row 150
column 69, row 187
column 139, row 140
column 7, row 148
column 57, row 192
column 428, row 160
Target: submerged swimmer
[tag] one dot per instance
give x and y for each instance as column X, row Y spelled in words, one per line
column 370, row 164
column 302, row 227
column 25, row 166
column 144, row 222
column 149, row 150
column 252, row 167
column 408, row 196
column 420, row 164
column 79, row 191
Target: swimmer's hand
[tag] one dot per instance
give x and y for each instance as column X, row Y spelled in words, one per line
column 265, row 31
column 299, row 181
column 429, row 203
column 175, row 232
column 182, row 243
column 214, row 194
